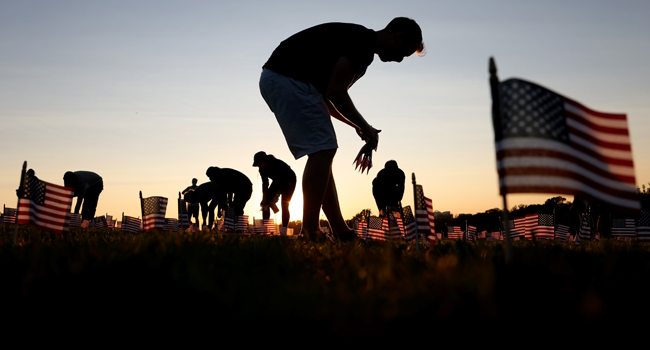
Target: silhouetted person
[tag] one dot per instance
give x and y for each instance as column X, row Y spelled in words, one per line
column 306, row 80
column 236, row 185
column 193, row 208
column 207, row 192
column 87, row 187
column 284, row 183
column 388, row 186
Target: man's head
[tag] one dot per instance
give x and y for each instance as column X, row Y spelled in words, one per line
column 194, row 181
column 69, row 179
column 259, row 159
column 401, row 38
column 391, row 164
column 213, row 173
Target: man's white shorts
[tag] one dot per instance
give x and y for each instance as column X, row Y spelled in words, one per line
column 301, row 112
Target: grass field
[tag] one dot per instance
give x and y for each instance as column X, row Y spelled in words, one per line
column 367, row 288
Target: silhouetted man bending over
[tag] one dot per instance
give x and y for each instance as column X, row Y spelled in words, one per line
column 87, row 187
column 207, row 192
column 193, row 208
column 306, row 80
column 388, row 186
column 284, row 183
column 236, row 185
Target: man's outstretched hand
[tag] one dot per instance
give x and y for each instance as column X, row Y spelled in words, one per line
column 364, row 158
column 370, row 135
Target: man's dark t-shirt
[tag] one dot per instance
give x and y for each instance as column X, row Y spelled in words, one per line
column 233, row 181
column 311, row 55
column 279, row 171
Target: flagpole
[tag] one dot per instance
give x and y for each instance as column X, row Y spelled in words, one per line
column 144, row 220
column 21, row 187
column 496, row 121
column 415, row 199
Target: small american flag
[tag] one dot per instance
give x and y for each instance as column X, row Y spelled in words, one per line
column 395, row 226
column 409, row 223
column 376, row 230
column 562, row 233
column 269, row 225
column 424, row 213
column 171, row 225
column 100, row 222
column 45, row 205
column 539, row 225
column 471, row 233
column 154, row 213
column 454, row 232
column 183, row 218
column 109, row 221
column 361, row 228
column 643, row 227
column 229, row 220
column 585, row 228
column 9, row 216
column 623, row 228
column 493, row 236
column 242, row 223
column 520, row 228
column 259, row 227
column 75, row 220
column 131, row 224
column 547, row 143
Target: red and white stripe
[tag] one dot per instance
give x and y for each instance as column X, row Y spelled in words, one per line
column 377, row 234
column 54, row 215
column 242, row 223
column 361, row 228
column 471, row 233
column 597, row 165
column 539, row 231
column 269, row 225
column 131, row 224
column 643, row 230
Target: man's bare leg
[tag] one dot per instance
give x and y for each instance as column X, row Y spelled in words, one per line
column 314, row 184
column 332, row 209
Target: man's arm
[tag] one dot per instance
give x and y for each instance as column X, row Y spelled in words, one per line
column 80, row 196
column 337, row 94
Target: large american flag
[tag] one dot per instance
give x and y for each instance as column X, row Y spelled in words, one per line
column 623, row 228
column 454, row 232
column 562, row 233
column 643, row 226
column 539, row 225
column 45, row 205
column 585, row 227
column 376, row 230
column 9, row 216
column 424, row 213
column 183, row 218
column 154, row 213
column 547, row 143
column 100, row 222
column 409, row 223
column 130, row 224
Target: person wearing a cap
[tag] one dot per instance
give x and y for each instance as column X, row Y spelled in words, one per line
column 236, row 185
column 87, row 187
column 284, row 183
column 207, row 192
column 193, row 208
column 388, row 187
column 305, row 83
